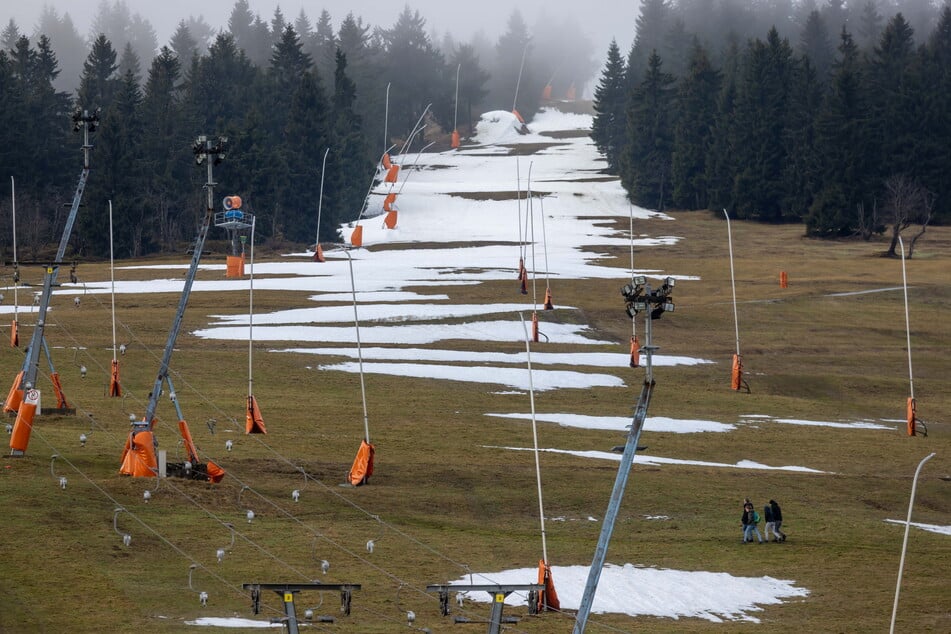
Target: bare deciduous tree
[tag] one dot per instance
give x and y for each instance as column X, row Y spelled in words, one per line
column 907, row 202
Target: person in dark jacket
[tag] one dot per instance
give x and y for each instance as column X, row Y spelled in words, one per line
column 749, row 523
column 777, row 515
column 770, row 525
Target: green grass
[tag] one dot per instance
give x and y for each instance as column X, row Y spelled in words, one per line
column 441, row 499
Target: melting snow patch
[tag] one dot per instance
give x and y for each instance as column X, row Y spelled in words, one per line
column 639, row 591
column 215, row 621
column 932, row 528
column 861, row 424
column 620, row 423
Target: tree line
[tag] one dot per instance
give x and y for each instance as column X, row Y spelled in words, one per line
column 847, row 138
column 282, row 91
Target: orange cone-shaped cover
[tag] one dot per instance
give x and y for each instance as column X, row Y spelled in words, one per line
column 138, row 457
column 912, row 411
column 114, row 388
column 455, row 139
column 215, row 473
column 783, row 280
column 20, row 436
column 524, row 288
column 736, row 380
column 15, row 396
column 235, row 266
column 392, row 173
column 521, row 268
column 58, row 389
column 518, row 116
column 547, row 598
column 390, row 219
column 356, row 238
column 548, row 303
column 546, row 93
column 389, row 201
column 635, row 351
column 14, row 334
column 535, row 327
column 253, row 421
column 319, row 254
column 362, row 467
column 387, row 164
column 570, row 95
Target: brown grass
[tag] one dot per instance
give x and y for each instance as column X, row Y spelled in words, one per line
column 441, row 499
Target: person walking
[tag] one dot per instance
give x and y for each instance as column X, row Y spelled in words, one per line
column 770, row 524
column 749, row 520
column 777, row 514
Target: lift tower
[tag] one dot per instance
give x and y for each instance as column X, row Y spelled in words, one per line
column 24, row 396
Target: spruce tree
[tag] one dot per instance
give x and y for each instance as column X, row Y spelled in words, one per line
column 610, row 103
column 696, row 116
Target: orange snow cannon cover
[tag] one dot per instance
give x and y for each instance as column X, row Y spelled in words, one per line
column 388, row 201
column 114, row 388
column 362, row 467
column 253, row 421
column 14, row 334
column 783, row 280
column 58, row 389
column 20, row 436
column 546, row 93
column 635, row 352
column 911, row 415
column 387, row 164
column 235, row 266
column 389, row 221
column 392, row 173
column 547, row 598
column 455, row 139
column 15, row 396
column 571, row 93
column 548, row 300
column 535, row 327
column 518, row 116
column 138, row 457
column 319, row 254
column 214, row 472
column 736, row 379
column 356, row 238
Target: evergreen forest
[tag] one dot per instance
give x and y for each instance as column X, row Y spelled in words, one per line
column 283, row 91
column 835, row 115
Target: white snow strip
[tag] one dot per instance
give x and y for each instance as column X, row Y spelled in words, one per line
column 657, row 592
column 873, row 290
column 232, row 622
column 621, row 423
column 932, row 528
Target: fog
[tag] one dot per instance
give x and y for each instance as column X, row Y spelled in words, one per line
column 599, row 20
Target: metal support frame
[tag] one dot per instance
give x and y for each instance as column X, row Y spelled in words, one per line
column 639, row 298
column 498, row 592
column 287, row 591
column 87, row 122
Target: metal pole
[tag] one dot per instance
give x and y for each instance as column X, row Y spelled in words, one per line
column 538, row 470
column 904, row 545
column 386, row 117
column 251, row 310
column 16, row 282
column 904, row 279
column 356, row 323
column 112, row 278
column 455, row 112
column 736, row 322
column 617, row 494
column 519, row 80
column 320, row 199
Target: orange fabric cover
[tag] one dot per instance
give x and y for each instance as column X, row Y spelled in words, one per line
column 58, row 389
column 20, row 437
column 386, row 161
column 535, row 327
column 356, row 238
column 390, row 219
column 455, row 139
column 547, row 598
column 14, row 334
column 388, row 201
column 362, row 467
column 521, row 267
column 518, row 116
column 736, row 379
column 215, row 473
column 548, row 303
column 910, row 414
column 783, row 280
column 138, row 457
column 392, row 173
column 190, row 449
column 546, row 92
column 570, row 95
column 319, row 254
column 15, row 396
column 253, row 421
column 114, row 388
column 635, row 351
column 235, row 266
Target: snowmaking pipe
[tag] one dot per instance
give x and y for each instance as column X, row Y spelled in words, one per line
column 736, row 323
column 904, row 279
column 112, row 280
column 251, row 308
column 320, row 198
column 538, row 471
column 356, row 323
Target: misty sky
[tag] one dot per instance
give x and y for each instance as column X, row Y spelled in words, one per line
column 599, row 19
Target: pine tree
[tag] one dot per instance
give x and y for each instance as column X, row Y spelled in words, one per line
column 307, row 137
column 610, row 104
column 99, row 81
column 936, row 115
column 472, row 80
column 646, row 160
column 814, row 44
column 697, row 95
column 183, row 44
